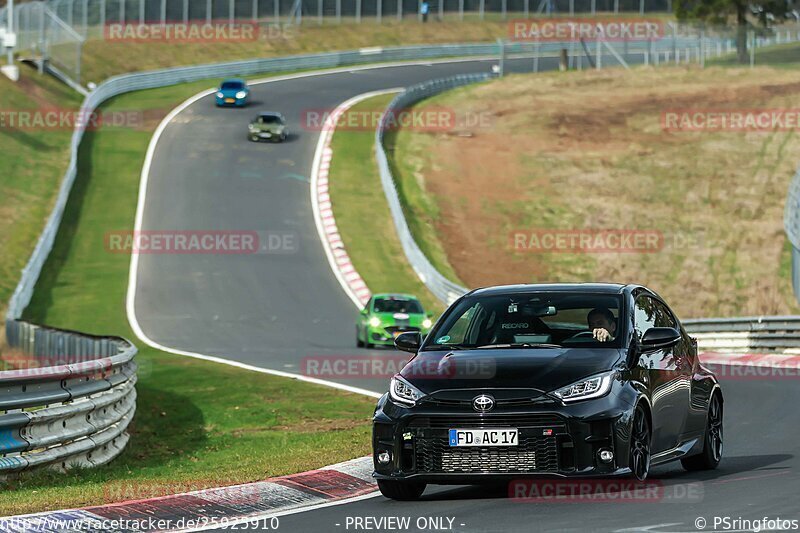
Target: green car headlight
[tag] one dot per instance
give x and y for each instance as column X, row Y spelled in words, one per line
column 374, row 322
column 427, row 323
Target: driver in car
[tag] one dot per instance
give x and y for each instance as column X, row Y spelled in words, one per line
column 602, row 323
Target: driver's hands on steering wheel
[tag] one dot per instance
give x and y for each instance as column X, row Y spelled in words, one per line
column 601, row 334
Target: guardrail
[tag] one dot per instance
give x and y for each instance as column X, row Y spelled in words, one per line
column 68, row 399
column 760, row 333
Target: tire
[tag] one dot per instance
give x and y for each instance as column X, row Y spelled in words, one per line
column 641, row 438
column 359, row 342
column 253, row 138
column 398, row 490
column 711, row 455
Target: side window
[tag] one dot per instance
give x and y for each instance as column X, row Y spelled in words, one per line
column 644, row 317
column 664, row 318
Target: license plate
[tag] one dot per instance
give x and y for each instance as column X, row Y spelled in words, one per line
column 484, row 437
column 265, row 135
column 229, row 100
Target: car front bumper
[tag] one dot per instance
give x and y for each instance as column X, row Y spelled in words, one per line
column 225, row 102
column 554, row 440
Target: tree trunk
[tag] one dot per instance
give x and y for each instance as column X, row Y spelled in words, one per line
column 741, row 34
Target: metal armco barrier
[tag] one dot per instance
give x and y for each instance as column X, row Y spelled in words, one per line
column 440, row 286
column 68, row 399
column 762, row 333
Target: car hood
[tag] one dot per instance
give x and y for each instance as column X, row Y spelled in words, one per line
column 545, row 369
column 231, row 92
column 391, row 318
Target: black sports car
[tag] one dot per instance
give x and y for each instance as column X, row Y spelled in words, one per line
column 565, row 379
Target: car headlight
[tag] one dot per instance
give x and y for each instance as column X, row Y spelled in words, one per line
column 374, row 322
column 252, row 127
column 403, row 392
column 241, row 94
column 591, row 387
column 427, row 323
column 220, row 95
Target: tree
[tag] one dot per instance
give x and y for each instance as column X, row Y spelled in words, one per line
column 720, row 11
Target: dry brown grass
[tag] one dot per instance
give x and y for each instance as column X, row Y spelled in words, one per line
column 587, row 150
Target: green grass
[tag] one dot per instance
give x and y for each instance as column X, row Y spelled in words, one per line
column 198, row 424
column 421, row 209
column 357, row 196
column 32, row 160
column 779, row 56
column 101, row 58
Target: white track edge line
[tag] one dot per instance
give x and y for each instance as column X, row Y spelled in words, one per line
column 130, row 307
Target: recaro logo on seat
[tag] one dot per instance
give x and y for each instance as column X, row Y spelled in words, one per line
column 516, row 325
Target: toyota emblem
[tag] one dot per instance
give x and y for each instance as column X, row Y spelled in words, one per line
column 483, row 403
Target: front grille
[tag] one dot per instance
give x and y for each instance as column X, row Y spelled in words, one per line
column 401, row 329
column 537, row 450
column 477, row 421
column 533, row 454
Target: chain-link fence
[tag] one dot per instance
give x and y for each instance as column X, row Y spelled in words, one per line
column 86, row 15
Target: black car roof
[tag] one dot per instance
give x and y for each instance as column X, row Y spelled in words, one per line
column 598, row 288
column 269, row 114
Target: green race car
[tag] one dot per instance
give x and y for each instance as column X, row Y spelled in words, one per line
column 388, row 315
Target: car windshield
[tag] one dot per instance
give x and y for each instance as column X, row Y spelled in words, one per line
column 561, row 319
column 397, row 305
column 232, row 85
column 269, row 119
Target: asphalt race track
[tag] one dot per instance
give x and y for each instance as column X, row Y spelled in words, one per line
column 268, row 310
column 273, row 310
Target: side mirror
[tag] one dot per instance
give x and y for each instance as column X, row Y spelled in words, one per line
column 409, row 341
column 659, row 338
column 364, row 311
column 429, row 314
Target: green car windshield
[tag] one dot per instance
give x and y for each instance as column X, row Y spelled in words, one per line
column 394, row 305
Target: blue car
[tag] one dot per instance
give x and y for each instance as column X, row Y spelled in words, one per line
column 233, row 92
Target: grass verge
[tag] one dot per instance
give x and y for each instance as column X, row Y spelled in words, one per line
column 33, row 160
column 357, row 197
column 578, row 150
column 198, row 424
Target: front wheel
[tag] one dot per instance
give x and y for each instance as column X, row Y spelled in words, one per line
column 639, row 460
column 711, row 455
column 398, row 490
column 359, row 342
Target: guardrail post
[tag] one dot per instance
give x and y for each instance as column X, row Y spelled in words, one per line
column 702, row 49
column 502, row 61
column 358, row 11
column 141, row 12
column 482, row 8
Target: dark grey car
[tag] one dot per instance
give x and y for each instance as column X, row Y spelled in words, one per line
column 269, row 126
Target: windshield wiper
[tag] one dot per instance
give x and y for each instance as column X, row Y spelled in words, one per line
column 518, row 345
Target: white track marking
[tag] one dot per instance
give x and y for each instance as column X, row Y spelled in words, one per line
column 133, row 273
